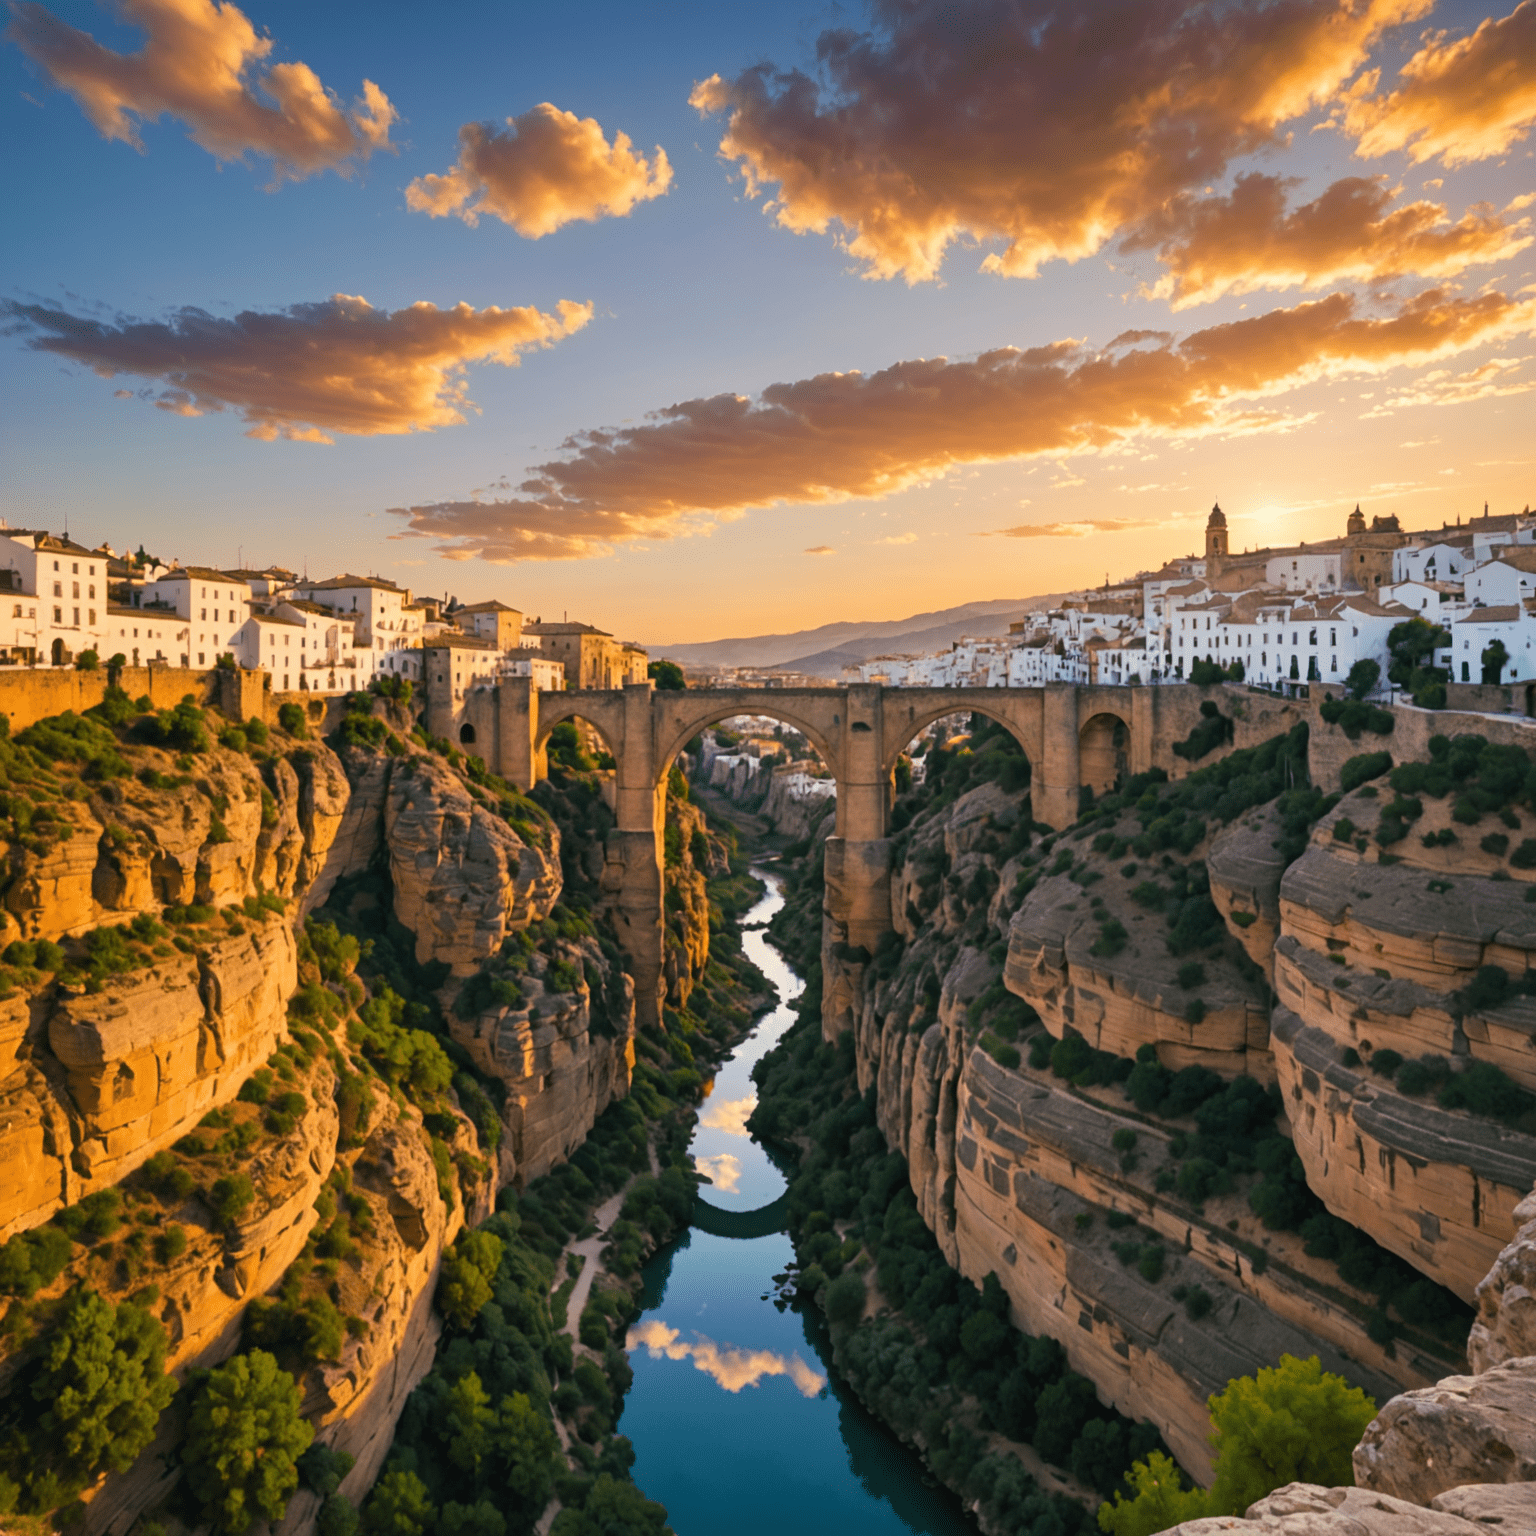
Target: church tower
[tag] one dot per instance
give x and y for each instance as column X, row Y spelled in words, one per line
column 1356, row 522
column 1215, row 541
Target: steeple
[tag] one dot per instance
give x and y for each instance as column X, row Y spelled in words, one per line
column 1356, row 521
column 1215, row 541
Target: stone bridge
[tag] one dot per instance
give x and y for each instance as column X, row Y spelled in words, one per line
column 1072, row 735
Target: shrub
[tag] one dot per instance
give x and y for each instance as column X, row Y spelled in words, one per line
column 230, row 1198
column 469, row 1268
column 845, row 1298
column 1191, row 975
column 290, row 717
column 1158, row 1499
column 33, row 1259
column 244, row 1438
column 1368, row 765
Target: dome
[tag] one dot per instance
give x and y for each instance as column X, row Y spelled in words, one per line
column 1217, row 519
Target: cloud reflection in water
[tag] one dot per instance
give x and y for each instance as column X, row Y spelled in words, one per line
column 726, row 1365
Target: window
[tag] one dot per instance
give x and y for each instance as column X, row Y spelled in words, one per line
column 58, row 587
column 202, row 613
column 199, row 658
column 91, row 616
column 77, row 618
column 1333, row 638
column 92, row 591
column 58, row 615
column 1311, row 637
column 76, row 568
column 55, row 565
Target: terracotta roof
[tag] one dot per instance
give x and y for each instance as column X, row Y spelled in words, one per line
column 201, row 573
column 337, row 583
column 571, row 628
column 1503, row 615
column 459, row 642
column 494, row 606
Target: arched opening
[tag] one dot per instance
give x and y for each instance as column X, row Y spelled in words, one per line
column 955, row 754
column 466, row 735
column 762, row 774
column 58, row 653
column 1103, row 753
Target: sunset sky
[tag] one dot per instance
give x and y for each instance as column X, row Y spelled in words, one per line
column 707, row 319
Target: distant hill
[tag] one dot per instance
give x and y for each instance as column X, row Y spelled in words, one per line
column 825, row 651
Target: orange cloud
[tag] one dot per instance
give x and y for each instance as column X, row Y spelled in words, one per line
column 1217, row 245
column 200, row 63
column 819, row 549
column 549, row 168
column 726, row 1365
column 1078, row 530
column 842, row 435
column 300, row 373
column 1457, row 100
column 1049, row 127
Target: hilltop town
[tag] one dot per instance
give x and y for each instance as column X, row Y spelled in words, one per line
column 1277, row 618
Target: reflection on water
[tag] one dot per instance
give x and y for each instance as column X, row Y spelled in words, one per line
column 730, row 1116
column 725, row 1365
column 723, row 1170
column 797, row 1452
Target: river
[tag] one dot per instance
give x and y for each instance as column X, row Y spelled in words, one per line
column 735, row 1418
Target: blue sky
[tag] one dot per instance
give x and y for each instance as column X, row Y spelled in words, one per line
column 694, row 293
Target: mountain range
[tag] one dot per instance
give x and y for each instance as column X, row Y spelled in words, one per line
column 827, row 649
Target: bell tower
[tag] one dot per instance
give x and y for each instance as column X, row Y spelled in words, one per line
column 1356, row 522
column 1215, row 541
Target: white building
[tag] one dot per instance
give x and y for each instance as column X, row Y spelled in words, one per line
column 389, row 622
column 215, row 604
column 1307, row 571
column 1440, row 560
column 1472, row 634
column 60, row 590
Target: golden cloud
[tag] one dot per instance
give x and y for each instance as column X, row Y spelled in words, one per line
column 820, row 549
column 731, row 1116
column 843, row 435
column 547, row 169
column 1078, row 530
column 1235, row 244
column 1049, row 127
column 726, row 1365
column 1457, row 100
column 201, row 63
column 302, row 372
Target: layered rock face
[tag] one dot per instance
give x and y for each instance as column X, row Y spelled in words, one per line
column 564, row 1056
column 1019, row 1174
column 1371, row 959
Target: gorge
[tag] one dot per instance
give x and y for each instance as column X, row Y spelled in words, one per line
column 335, row 1052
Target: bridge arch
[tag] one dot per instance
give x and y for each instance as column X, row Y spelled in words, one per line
column 605, row 716
column 904, row 725
column 679, row 726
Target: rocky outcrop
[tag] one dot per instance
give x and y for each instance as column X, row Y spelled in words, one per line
column 136, row 845
column 1464, row 1429
column 564, row 1056
column 1305, row 1509
column 1245, row 866
column 1505, row 1328
column 463, row 879
column 798, row 801
column 104, row 1080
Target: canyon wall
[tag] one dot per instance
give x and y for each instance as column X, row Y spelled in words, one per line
column 159, row 967
column 1254, row 943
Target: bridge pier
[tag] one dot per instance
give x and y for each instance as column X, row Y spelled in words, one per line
column 856, row 907
column 633, row 855
column 1054, row 785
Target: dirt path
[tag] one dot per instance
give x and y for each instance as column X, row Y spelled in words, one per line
column 591, row 1249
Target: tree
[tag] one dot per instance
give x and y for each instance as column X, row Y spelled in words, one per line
column 1158, row 1500
column 612, row 1508
column 469, row 1267
column 529, row 1450
column 468, row 1421
column 1363, row 677
column 101, row 1390
column 1293, row 1422
column 1495, row 658
column 1412, row 645
column 399, row 1506
column 88, row 661
column 667, row 676
column 244, row 1438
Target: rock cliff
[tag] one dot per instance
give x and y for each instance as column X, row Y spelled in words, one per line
column 171, row 1033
